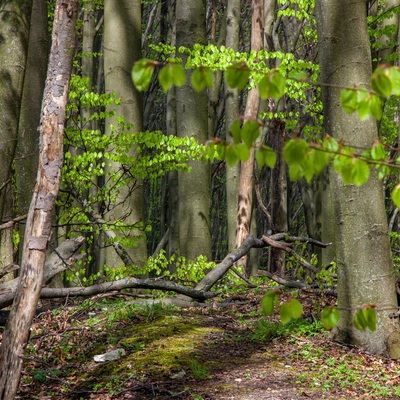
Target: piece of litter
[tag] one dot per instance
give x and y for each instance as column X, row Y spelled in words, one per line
column 110, row 356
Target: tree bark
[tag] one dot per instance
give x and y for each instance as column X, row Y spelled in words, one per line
column 122, row 47
column 245, row 197
column 365, row 269
column 38, row 227
column 191, row 113
column 231, row 114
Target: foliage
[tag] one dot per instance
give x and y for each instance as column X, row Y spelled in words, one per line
column 266, row 331
column 139, row 155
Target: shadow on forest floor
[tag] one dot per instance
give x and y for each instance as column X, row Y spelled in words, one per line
column 196, row 354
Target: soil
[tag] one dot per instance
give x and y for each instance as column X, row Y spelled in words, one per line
column 197, row 354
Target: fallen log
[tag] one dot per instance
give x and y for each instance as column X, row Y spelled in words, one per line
column 127, row 283
column 58, row 261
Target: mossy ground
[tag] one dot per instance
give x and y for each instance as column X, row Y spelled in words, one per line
column 196, row 354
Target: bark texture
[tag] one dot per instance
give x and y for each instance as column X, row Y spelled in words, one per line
column 245, row 196
column 365, row 270
column 231, row 114
column 38, row 227
column 122, row 47
column 191, row 114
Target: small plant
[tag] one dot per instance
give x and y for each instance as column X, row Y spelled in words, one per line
column 199, row 371
column 266, row 330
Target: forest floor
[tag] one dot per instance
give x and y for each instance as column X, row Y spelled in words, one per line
column 197, row 354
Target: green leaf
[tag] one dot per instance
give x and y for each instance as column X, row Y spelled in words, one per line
column 330, row 144
column 378, row 152
column 178, row 74
column 360, row 173
column 266, row 156
column 294, row 151
column 250, row 132
column 142, row 72
column 231, row 155
column 396, row 195
column 243, row 152
column 237, row 75
column 285, row 314
column 165, row 77
column 375, row 106
column 236, row 131
column 201, row 78
column 296, row 171
column 381, row 81
column 272, row 85
column 365, row 318
column 298, row 75
column 394, row 75
column 348, row 100
column 268, row 302
column 364, row 105
column 330, row 317
column 296, row 309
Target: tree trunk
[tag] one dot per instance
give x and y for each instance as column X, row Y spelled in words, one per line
column 245, row 197
column 38, row 226
column 14, row 33
column 191, row 113
column 365, row 269
column 231, row 114
column 27, row 152
column 279, row 204
column 122, row 47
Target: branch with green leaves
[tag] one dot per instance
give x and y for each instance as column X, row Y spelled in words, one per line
column 304, row 159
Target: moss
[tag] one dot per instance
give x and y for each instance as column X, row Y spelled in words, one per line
column 155, row 350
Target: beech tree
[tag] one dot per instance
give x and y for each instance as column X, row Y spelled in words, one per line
column 365, row 269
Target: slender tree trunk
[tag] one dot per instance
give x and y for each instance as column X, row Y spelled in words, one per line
column 279, row 204
column 122, row 47
column 245, row 197
column 365, row 269
column 38, row 227
column 191, row 113
column 231, row 114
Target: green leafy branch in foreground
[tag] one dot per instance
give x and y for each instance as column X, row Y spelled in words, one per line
column 364, row 317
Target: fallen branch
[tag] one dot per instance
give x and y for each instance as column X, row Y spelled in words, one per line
column 222, row 268
column 127, row 283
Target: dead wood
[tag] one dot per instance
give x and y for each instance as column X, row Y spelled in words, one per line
column 62, row 258
column 127, row 283
column 284, row 240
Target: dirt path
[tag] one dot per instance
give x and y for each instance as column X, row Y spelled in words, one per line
column 197, row 354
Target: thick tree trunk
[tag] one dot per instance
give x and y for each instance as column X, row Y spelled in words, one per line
column 365, row 269
column 122, row 47
column 38, row 226
column 245, row 196
column 27, row 152
column 191, row 114
column 14, row 33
